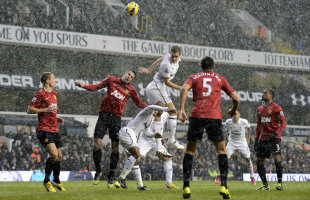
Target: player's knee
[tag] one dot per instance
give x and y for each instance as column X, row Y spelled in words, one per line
column 173, row 112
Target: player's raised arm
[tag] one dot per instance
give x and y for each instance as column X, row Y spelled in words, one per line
column 95, row 87
column 152, row 67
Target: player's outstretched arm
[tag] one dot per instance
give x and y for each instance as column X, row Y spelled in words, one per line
column 79, row 84
column 95, row 87
column 152, row 67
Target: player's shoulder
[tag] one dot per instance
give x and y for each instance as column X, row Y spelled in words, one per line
column 244, row 121
column 276, row 106
column 228, row 121
column 112, row 78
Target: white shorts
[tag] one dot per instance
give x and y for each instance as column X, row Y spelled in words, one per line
column 127, row 138
column 241, row 146
column 157, row 93
column 147, row 146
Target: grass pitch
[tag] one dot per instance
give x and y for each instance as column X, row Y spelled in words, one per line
column 200, row 190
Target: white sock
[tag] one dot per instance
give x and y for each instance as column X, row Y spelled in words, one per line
column 250, row 165
column 127, row 167
column 157, row 127
column 172, row 126
column 158, row 143
column 137, row 173
column 168, row 171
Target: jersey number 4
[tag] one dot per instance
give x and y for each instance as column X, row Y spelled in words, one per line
column 206, row 85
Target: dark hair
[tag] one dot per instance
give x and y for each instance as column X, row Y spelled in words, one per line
column 207, row 63
column 271, row 91
column 134, row 72
column 45, row 76
column 175, row 49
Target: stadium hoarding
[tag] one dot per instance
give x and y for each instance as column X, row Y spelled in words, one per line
column 128, row 46
column 38, row 175
column 16, row 81
column 285, row 177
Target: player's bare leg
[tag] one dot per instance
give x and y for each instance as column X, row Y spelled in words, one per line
column 223, row 166
column 97, row 154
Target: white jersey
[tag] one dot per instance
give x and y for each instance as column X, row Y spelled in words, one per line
column 166, row 69
column 238, row 130
column 144, row 119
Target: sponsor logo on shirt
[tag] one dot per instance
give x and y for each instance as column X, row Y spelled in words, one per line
column 266, row 119
column 118, row 95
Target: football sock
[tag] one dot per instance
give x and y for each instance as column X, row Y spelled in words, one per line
column 279, row 171
column 127, row 167
column 49, row 165
column 168, row 171
column 250, row 165
column 262, row 173
column 187, row 168
column 113, row 163
column 159, row 143
column 97, row 159
column 172, row 125
column 137, row 173
column 56, row 172
column 223, row 166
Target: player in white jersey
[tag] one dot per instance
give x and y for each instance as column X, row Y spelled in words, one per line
column 128, row 137
column 237, row 128
column 156, row 91
column 147, row 147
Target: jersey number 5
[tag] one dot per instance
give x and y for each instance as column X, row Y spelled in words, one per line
column 206, row 85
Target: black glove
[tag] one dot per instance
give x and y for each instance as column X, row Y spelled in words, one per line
column 272, row 136
column 256, row 145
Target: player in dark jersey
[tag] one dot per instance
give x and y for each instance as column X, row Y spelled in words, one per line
column 110, row 113
column 206, row 115
column 270, row 123
column 44, row 103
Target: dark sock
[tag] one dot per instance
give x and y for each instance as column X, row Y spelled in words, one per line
column 223, row 166
column 49, row 165
column 262, row 173
column 113, row 163
column 187, row 169
column 279, row 171
column 56, row 172
column 97, row 160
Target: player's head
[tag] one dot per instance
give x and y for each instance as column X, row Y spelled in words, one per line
column 48, row 79
column 207, row 63
column 268, row 95
column 175, row 54
column 236, row 118
column 128, row 76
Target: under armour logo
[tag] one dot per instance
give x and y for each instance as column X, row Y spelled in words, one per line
column 301, row 99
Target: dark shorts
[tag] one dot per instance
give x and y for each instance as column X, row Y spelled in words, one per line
column 266, row 148
column 46, row 138
column 108, row 121
column 213, row 127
